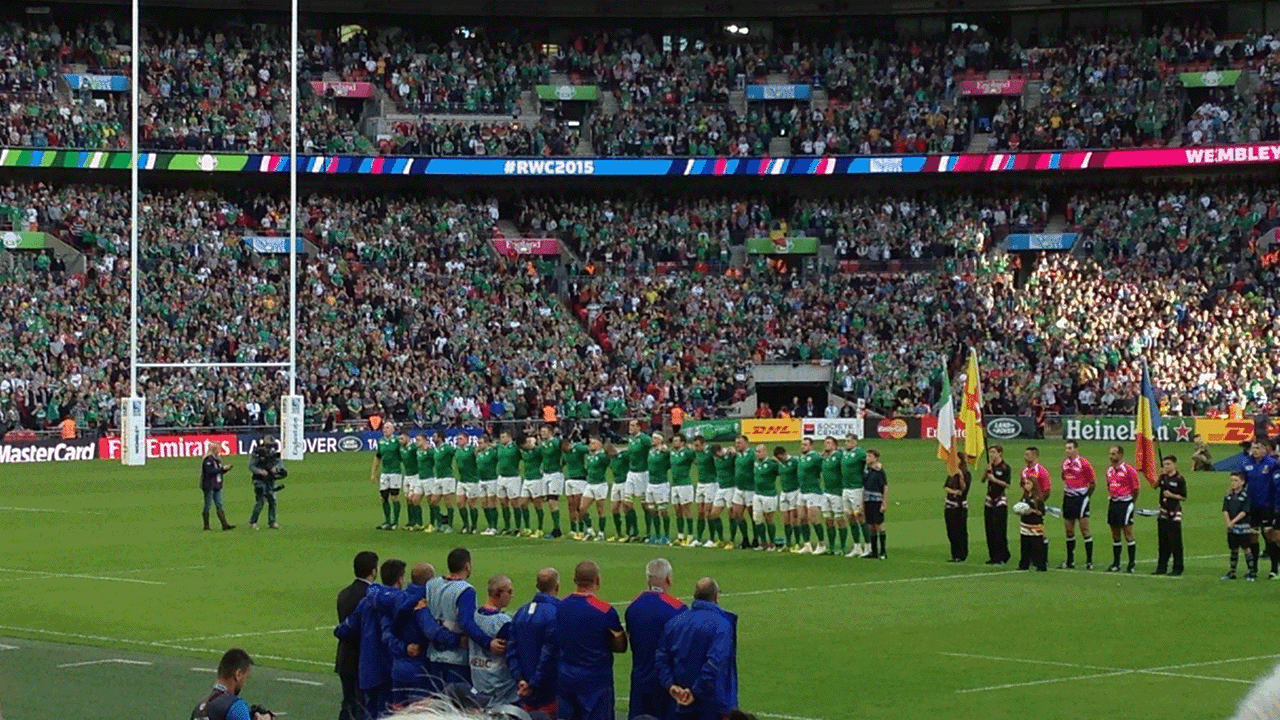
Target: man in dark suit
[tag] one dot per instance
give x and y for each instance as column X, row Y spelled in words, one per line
column 347, row 664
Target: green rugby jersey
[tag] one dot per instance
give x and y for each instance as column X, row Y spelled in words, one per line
column 551, row 462
column 638, row 452
column 531, row 463
column 426, row 461
column 444, row 460
column 468, row 471
column 659, row 466
column 508, row 460
column 681, row 465
column 389, row 454
column 831, row 473
column 765, row 476
column 744, row 471
column 487, row 463
column 811, row 473
column 725, row 469
column 575, row 462
column 409, row 459
column 619, row 464
column 705, row 462
column 853, row 466
column 788, row 474
column 597, row 467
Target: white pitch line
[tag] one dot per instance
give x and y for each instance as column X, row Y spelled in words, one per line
column 115, row 661
column 1049, row 681
column 1197, row 677
column 203, row 670
column 8, row 647
column 152, row 643
column 863, row 583
column 1228, row 661
column 244, row 634
column 51, row 510
column 40, row 574
column 296, row 681
column 1032, row 662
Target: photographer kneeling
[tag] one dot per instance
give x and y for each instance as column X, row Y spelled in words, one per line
column 267, row 468
column 224, row 702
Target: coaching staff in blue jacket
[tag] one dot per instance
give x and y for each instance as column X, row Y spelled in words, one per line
column 587, row 634
column 697, row 657
column 531, row 626
column 347, row 662
column 647, row 616
column 367, row 623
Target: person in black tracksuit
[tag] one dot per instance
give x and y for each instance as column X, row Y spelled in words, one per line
column 956, row 512
column 1031, row 529
column 1173, row 492
column 995, row 506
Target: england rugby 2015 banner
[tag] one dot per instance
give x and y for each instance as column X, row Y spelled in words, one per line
column 1122, row 159
column 358, row 90
column 992, row 87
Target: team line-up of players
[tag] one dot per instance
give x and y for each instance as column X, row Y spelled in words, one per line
column 831, row 501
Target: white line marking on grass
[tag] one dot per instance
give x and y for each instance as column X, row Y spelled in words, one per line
column 115, row 661
column 204, row 670
column 861, row 583
column 1049, row 681
column 1111, row 672
column 244, row 634
column 8, row 647
column 149, row 570
column 1032, row 662
column 301, row 682
column 41, row 575
column 153, row 643
column 51, row 510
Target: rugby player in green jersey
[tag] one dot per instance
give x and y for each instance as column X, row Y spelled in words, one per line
column 575, row 483
column 853, row 466
column 508, row 480
column 658, row 493
column 468, row 483
column 596, row 491
column 812, row 500
column 788, row 495
column 765, row 498
column 682, row 459
column 705, row 492
column 386, row 472
column 552, row 474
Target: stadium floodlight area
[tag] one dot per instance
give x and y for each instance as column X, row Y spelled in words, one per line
column 133, row 409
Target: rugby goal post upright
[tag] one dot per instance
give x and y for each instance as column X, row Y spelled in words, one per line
column 133, row 409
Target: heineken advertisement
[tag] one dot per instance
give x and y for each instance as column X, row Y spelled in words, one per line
column 1123, row 429
column 782, row 246
column 586, row 93
column 711, row 430
column 22, row 240
column 1210, row 78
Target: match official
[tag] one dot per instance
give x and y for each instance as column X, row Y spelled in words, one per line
column 646, row 616
column 531, row 627
column 587, row 633
column 211, row 476
column 1122, row 485
column 224, row 702
column 697, row 657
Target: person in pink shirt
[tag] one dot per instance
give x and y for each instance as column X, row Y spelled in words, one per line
column 1078, row 482
column 1122, row 486
column 1038, row 474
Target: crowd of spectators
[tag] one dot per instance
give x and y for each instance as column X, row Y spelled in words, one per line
column 405, row 305
column 226, row 88
column 547, row 136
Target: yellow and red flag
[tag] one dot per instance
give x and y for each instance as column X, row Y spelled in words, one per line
column 975, row 441
column 1148, row 421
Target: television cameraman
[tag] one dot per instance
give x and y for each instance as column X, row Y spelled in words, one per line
column 266, row 467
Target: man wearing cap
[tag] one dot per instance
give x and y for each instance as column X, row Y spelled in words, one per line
column 696, row 658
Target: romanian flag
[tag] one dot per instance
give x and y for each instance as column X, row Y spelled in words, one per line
column 1148, row 421
column 975, row 442
column 947, row 427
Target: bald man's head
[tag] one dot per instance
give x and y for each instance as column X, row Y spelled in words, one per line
column 586, row 575
column 707, row 589
column 548, row 581
column 422, row 572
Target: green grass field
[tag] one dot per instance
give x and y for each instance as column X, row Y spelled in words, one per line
column 105, row 568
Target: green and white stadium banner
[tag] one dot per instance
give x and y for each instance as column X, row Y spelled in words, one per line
column 567, row 93
column 711, row 430
column 23, row 240
column 782, row 246
column 1210, row 78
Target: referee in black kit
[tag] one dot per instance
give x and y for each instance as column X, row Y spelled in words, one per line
column 1173, row 492
column 211, row 473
